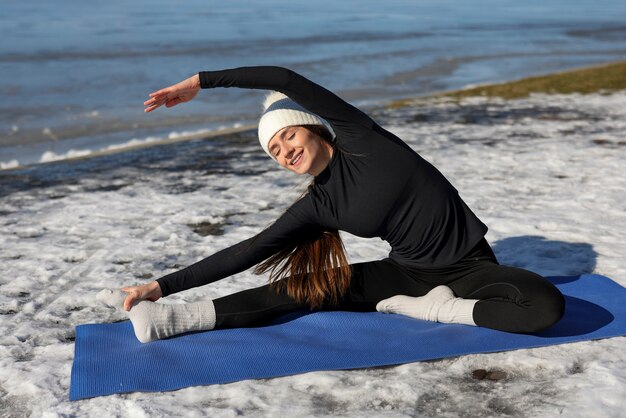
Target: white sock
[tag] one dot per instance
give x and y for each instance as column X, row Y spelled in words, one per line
column 438, row 305
column 154, row 321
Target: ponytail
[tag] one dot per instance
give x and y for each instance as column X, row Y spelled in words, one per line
column 314, row 272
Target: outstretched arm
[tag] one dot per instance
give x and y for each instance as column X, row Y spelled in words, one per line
column 308, row 94
column 344, row 117
column 294, row 225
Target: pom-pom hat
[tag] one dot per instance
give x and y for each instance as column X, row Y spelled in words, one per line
column 279, row 111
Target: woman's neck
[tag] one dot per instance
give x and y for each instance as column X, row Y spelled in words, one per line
column 329, row 150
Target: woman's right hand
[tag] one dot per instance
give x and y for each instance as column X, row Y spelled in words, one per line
column 150, row 291
column 177, row 93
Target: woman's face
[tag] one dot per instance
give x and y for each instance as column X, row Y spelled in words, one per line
column 300, row 150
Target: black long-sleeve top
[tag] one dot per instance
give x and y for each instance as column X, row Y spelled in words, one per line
column 374, row 186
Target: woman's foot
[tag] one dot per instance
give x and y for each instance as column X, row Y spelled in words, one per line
column 438, row 305
column 154, row 321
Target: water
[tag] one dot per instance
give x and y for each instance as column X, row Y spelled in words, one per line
column 75, row 73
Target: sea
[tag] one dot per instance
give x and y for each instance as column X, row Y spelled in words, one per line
column 74, row 74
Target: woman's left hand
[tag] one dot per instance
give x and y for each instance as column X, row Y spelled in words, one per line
column 170, row 96
column 149, row 291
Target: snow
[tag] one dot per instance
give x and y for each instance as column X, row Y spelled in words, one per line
column 545, row 173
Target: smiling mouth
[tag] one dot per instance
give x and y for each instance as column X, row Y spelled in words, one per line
column 297, row 159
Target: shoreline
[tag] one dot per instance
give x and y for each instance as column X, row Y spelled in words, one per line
column 607, row 77
column 119, row 150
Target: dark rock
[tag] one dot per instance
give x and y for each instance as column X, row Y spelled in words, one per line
column 479, row 374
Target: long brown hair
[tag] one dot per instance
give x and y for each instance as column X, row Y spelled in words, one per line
column 314, row 271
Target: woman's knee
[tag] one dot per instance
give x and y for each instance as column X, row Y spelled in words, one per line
column 547, row 308
column 534, row 303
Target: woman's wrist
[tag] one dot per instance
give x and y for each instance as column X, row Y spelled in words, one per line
column 195, row 81
column 155, row 286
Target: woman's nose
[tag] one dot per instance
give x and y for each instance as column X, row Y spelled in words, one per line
column 289, row 151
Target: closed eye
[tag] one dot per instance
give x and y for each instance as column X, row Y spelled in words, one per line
column 292, row 136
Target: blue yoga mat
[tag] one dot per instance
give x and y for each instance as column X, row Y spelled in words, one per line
column 109, row 359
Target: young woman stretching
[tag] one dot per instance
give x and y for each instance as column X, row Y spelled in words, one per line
column 368, row 182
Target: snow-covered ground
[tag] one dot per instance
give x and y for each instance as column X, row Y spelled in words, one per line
column 547, row 174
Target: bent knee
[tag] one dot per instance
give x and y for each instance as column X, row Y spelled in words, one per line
column 546, row 310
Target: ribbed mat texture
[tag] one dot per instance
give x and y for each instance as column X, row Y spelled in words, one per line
column 109, row 359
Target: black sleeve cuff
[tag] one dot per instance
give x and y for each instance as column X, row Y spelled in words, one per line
column 165, row 290
column 204, row 79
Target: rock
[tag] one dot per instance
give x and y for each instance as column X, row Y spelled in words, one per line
column 495, row 375
column 479, row 374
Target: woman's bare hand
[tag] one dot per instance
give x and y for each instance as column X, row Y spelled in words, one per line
column 150, row 291
column 170, row 96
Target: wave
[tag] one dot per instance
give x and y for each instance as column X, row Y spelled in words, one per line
column 135, row 143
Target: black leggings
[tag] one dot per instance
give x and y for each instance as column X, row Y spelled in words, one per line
column 510, row 299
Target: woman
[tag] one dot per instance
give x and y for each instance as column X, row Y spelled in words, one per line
column 368, row 182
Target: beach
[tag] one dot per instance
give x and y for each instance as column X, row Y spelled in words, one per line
column 544, row 172
column 521, row 105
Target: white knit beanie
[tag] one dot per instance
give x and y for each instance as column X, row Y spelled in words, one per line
column 279, row 111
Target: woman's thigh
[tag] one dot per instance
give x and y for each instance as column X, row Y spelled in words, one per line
column 489, row 280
